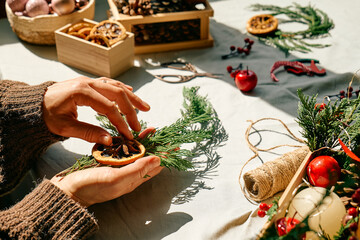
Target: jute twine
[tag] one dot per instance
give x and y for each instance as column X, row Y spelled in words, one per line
column 273, row 176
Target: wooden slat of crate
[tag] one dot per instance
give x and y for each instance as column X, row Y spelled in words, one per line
column 205, row 38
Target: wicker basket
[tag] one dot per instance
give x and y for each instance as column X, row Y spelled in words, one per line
column 40, row 29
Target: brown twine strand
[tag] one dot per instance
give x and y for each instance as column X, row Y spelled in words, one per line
column 273, row 176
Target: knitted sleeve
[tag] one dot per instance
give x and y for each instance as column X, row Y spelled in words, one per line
column 47, row 212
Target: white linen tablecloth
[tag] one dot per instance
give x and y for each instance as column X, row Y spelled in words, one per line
column 197, row 204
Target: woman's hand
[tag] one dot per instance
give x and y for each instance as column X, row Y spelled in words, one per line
column 103, row 95
column 95, row 185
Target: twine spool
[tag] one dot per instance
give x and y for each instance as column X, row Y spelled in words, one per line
column 273, row 176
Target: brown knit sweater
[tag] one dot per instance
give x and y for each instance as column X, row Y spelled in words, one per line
column 46, row 212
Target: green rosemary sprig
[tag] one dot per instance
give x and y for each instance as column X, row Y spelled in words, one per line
column 198, row 124
column 318, row 22
column 339, row 119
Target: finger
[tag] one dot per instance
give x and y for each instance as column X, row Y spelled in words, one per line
column 90, row 97
column 146, row 132
column 113, row 89
column 86, row 132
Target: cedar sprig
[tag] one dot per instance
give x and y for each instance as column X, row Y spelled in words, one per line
column 318, row 22
column 198, row 124
column 323, row 128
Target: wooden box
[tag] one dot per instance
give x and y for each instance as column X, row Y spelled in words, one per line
column 93, row 58
column 297, row 183
column 40, row 29
column 199, row 19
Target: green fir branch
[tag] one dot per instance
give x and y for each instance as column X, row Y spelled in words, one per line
column 197, row 125
column 339, row 119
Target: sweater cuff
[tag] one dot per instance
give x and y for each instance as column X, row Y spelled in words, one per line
column 47, row 213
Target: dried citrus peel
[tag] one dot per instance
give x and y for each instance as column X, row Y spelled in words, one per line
column 116, row 159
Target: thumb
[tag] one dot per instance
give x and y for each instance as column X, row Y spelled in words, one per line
column 88, row 132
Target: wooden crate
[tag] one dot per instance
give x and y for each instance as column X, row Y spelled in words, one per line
column 93, row 58
column 202, row 16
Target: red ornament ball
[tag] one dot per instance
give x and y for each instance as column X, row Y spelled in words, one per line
column 264, row 206
column 246, row 80
column 323, row 171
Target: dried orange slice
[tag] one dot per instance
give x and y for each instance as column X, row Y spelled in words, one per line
column 98, row 39
column 76, row 27
column 77, row 34
column 86, row 31
column 262, row 24
column 121, row 152
column 112, row 30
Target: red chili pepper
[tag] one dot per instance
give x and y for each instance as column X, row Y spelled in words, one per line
column 348, row 151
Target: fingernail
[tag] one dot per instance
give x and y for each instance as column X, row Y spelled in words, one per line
column 128, row 86
column 105, row 139
column 146, row 105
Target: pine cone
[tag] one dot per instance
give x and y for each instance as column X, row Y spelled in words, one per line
column 347, row 187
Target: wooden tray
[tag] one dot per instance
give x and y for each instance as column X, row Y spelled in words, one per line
column 204, row 40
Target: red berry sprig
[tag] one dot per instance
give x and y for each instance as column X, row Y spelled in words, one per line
column 235, row 51
column 233, row 71
column 263, row 208
column 346, row 94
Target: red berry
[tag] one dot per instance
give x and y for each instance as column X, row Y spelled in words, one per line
column 352, row 211
column 356, row 197
column 357, row 191
column 249, row 47
column 246, row 51
column 264, row 206
column 251, row 42
column 320, row 106
column 342, row 93
column 261, row 213
column 353, row 227
column 350, row 89
column 229, row 69
column 350, row 94
column 232, row 48
column 240, row 50
column 233, row 74
column 247, row 40
column 352, row 238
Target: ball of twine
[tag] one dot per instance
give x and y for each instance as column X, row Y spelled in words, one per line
column 273, row 176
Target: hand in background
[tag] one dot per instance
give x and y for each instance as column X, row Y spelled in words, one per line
column 61, row 100
column 95, row 185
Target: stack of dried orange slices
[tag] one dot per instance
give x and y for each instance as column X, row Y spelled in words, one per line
column 105, row 33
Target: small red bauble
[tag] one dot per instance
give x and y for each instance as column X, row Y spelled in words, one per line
column 246, row 80
column 323, row 171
